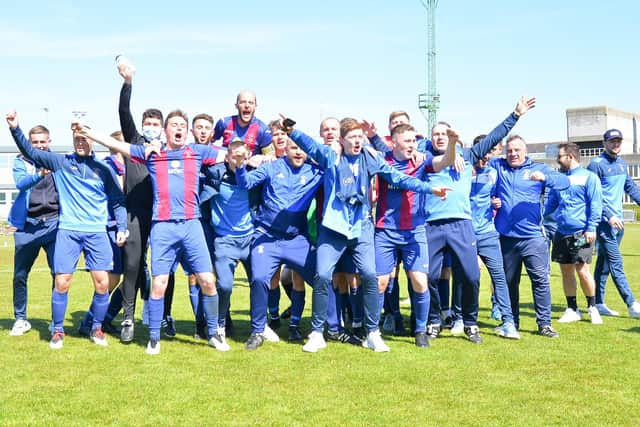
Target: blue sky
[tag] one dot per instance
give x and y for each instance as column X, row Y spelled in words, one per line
column 313, row 59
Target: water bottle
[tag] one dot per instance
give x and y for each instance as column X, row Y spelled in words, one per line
column 123, row 63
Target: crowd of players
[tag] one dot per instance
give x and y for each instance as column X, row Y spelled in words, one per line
column 340, row 215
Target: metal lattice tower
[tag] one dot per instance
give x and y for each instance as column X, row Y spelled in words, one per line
column 429, row 102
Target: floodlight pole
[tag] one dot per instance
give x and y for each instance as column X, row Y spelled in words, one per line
column 429, row 102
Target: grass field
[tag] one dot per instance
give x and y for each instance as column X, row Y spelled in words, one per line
column 590, row 376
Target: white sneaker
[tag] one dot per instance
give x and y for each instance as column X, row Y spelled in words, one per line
column 57, row 341
column 270, row 335
column 316, row 342
column 374, row 342
column 606, row 311
column 570, row 315
column 97, row 337
column 594, row 315
column 388, row 324
column 634, row 310
column 20, row 327
column 219, row 342
column 457, row 328
column 153, row 347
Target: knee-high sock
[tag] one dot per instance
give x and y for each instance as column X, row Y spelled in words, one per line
column 100, row 304
column 210, row 307
column 273, row 303
column 420, row 302
column 155, row 317
column 194, row 299
column 380, row 301
column 357, row 304
column 58, row 309
column 297, row 306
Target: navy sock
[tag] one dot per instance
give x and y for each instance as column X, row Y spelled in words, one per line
column 210, row 306
column 297, row 307
column 273, row 303
column 572, row 303
column 58, row 309
column 100, row 305
column 357, row 304
column 156, row 307
column 591, row 301
column 420, row 304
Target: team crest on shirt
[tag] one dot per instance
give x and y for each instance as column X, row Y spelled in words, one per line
column 174, row 168
column 280, row 175
column 303, row 180
column 348, row 180
column 260, row 249
column 525, row 175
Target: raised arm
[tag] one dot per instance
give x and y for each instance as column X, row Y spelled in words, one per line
column 103, row 139
column 449, row 157
column 127, row 125
column 481, row 149
column 252, row 179
column 52, row 161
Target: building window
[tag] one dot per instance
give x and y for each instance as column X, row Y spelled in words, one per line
column 3, row 197
column 14, row 196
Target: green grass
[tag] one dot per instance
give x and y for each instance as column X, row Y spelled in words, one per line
column 589, row 376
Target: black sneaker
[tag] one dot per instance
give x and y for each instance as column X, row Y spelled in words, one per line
column 343, row 337
column 169, row 327
column 274, row 322
column 473, row 333
column 548, row 331
column 294, row 333
column 433, row 331
column 422, row 340
column 360, row 333
column 254, row 341
column 126, row 333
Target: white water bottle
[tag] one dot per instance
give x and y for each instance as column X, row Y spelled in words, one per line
column 123, row 63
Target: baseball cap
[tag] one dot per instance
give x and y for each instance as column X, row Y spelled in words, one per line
column 612, row 134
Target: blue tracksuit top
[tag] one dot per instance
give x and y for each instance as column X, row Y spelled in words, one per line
column 86, row 187
column 615, row 181
column 482, row 186
column 230, row 204
column 287, row 193
column 342, row 217
column 521, row 213
column 457, row 205
column 579, row 207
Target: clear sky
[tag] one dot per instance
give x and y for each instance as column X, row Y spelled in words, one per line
column 359, row 58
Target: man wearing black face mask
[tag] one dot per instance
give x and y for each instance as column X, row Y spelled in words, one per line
column 139, row 200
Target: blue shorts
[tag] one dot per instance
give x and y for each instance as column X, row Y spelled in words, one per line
column 209, row 236
column 180, row 241
column 410, row 245
column 117, row 251
column 95, row 246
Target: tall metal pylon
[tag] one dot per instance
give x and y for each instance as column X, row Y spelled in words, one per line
column 429, row 102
